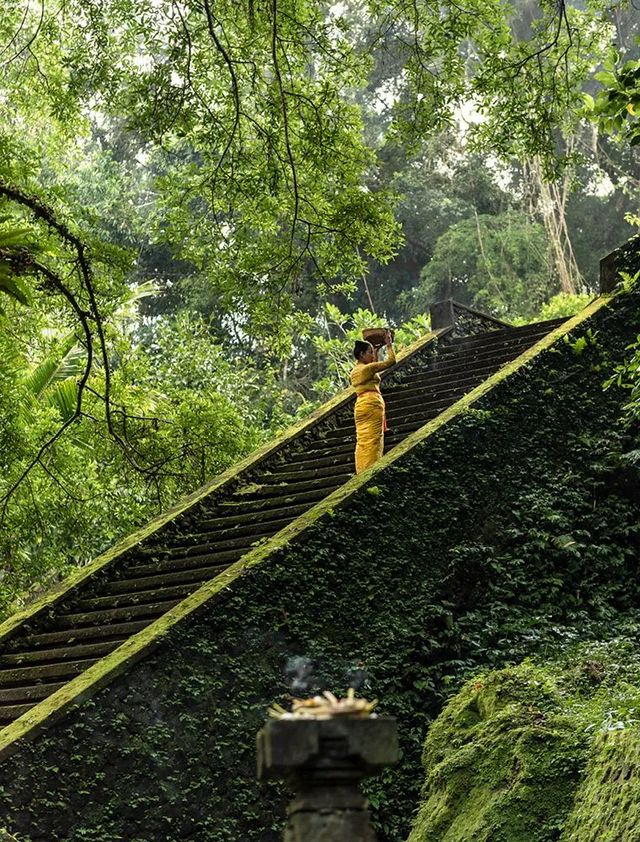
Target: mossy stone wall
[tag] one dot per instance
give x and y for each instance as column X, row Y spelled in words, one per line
column 607, row 806
column 510, row 531
column 505, row 761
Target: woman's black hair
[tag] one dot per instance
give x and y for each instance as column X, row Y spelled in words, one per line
column 360, row 348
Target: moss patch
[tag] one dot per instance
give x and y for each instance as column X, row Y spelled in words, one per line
column 607, row 807
column 505, row 758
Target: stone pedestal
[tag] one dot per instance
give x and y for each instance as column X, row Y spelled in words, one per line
column 323, row 761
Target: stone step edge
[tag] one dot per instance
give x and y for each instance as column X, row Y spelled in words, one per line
column 45, row 713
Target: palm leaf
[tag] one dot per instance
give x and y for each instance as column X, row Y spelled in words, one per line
column 20, row 238
column 71, row 365
column 11, row 285
column 63, row 397
column 14, row 241
column 54, row 370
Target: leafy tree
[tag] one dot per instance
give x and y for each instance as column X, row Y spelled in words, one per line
column 247, row 158
column 563, row 305
column 617, row 106
column 436, row 188
column 185, row 408
column 496, row 263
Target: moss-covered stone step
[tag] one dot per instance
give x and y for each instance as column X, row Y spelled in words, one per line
column 273, row 486
column 456, row 370
column 136, row 597
column 32, row 693
column 335, row 462
column 429, row 400
column 312, row 472
column 494, row 338
column 75, row 619
column 328, row 444
column 240, row 519
column 437, row 381
column 64, row 669
column 235, row 536
column 238, row 505
column 180, row 545
column 439, row 401
column 195, row 573
column 448, row 388
column 466, row 379
column 408, row 421
column 323, row 448
column 61, row 653
column 493, row 342
column 459, row 364
column 239, row 513
column 9, row 713
column 97, row 632
column 202, row 543
column 398, row 432
column 333, row 459
column 464, row 369
column 338, row 472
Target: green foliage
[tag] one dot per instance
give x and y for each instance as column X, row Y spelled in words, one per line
column 626, row 374
column 440, row 185
column 238, row 118
column 616, row 108
column 54, row 381
column 523, row 69
column 189, row 409
column 499, row 264
column 560, row 306
column 563, row 305
column 236, row 158
column 16, row 255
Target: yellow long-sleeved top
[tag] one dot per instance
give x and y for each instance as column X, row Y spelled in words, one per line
column 365, row 377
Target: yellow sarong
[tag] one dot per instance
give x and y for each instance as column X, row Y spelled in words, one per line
column 369, row 410
column 369, row 417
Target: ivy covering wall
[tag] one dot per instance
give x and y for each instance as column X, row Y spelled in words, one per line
column 512, row 531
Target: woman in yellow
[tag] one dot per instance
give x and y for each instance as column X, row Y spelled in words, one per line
column 369, row 409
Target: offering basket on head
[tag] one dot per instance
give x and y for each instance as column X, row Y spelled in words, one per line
column 376, row 335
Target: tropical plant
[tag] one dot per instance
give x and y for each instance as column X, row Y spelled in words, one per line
column 499, row 264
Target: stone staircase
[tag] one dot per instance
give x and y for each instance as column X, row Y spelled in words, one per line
column 89, row 621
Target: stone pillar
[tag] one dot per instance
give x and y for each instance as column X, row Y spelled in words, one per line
column 323, row 762
column 609, row 272
column 442, row 314
column 624, row 259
